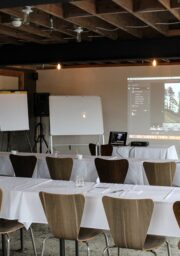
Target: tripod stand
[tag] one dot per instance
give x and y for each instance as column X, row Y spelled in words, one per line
column 40, row 138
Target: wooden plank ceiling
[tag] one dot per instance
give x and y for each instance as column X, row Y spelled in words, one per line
column 66, row 24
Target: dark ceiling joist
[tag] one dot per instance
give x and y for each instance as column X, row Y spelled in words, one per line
column 103, row 50
column 20, row 3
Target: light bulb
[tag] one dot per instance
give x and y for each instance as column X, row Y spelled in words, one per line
column 58, row 66
column 154, row 63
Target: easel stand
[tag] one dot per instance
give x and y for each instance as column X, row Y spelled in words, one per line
column 41, row 137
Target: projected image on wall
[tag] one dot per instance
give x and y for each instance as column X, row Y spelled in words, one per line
column 172, row 103
column 154, row 107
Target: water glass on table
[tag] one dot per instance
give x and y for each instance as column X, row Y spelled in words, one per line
column 79, row 181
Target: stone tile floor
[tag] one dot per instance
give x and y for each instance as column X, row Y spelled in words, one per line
column 96, row 245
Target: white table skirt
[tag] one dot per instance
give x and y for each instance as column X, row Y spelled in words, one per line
column 21, row 201
column 86, row 167
column 151, row 152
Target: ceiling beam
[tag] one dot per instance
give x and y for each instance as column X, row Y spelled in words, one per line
column 103, row 50
column 21, row 3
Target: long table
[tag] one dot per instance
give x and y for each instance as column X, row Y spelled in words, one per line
column 86, row 167
column 21, row 201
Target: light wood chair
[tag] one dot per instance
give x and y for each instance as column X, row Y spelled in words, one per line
column 176, row 209
column 23, row 165
column 59, row 168
column 111, row 171
column 129, row 221
column 103, row 150
column 64, row 214
column 9, row 226
column 160, row 174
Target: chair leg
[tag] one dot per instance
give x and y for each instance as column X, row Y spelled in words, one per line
column 119, row 251
column 21, row 239
column 8, row 245
column 107, row 243
column 62, row 247
column 43, row 244
column 3, row 245
column 107, row 248
column 77, row 247
column 168, row 248
column 88, row 249
column 33, row 241
column 153, row 252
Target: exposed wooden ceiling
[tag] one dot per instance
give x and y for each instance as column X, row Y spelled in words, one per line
column 64, row 24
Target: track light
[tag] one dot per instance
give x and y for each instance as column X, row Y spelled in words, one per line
column 59, row 66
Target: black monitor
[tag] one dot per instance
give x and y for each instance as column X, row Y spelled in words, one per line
column 118, row 138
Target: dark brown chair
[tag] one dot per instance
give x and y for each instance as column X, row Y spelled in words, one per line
column 8, row 227
column 23, row 165
column 160, row 174
column 112, row 171
column 64, row 214
column 103, row 150
column 129, row 221
column 176, row 209
column 59, row 168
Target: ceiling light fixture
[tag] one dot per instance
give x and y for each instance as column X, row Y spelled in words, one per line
column 59, row 66
column 154, row 63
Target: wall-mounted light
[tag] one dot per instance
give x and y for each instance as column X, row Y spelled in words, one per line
column 59, row 66
column 154, row 63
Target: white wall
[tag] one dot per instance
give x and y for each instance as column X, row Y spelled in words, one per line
column 110, row 83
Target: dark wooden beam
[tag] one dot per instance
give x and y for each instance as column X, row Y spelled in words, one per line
column 20, row 3
column 102, row 50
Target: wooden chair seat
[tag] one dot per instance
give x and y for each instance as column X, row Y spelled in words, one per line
column 88, row 233
column 9, row 226
column 153, row 242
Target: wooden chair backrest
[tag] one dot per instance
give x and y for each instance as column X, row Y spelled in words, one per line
column 176, row 208
column 23, row 165
column 128, row 220
column 112, row 171
column 63, row 213
column 59, row 168
column 160, row 174
column 103, row 150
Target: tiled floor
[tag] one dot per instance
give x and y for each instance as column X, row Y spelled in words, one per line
column 97, row 245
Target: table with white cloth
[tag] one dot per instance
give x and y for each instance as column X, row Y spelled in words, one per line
column 86, row 167
column 21, row 201
column 150, row 152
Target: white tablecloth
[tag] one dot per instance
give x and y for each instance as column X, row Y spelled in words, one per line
column 150, row 152
column 21, row 201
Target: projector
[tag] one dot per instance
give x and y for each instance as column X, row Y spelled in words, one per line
column 139, row 143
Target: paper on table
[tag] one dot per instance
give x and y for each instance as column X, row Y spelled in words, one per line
column 99, row 190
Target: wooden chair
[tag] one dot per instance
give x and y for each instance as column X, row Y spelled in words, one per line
column 64, row 214
column 112, row 171
column 129, row 221
column 176, row 209
column 23, row 165
column 103, row 150
column 9, row 226
column 59, row 168
column 160, row 174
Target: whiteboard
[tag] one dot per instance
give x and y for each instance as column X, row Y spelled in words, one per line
column 13, row 111
column 76, row 115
